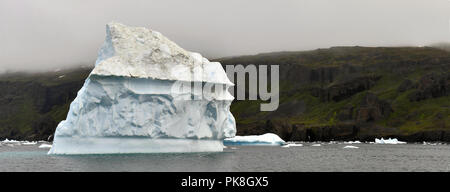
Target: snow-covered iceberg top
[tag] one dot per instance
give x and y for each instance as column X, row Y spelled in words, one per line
column 388, row 141
column 266, row 139
column 128, row 103
column 143, row 53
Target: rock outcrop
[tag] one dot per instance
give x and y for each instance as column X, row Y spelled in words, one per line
column 432, row 86
column 372, row 109
column 342, row 90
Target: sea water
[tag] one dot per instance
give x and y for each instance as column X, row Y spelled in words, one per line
column 326, row 157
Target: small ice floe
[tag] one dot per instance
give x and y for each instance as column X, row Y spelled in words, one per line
column 266, row 139
column 292, row 145
column 428, row 143
column 45, row 146
column 233, row 148
column 61, row 76
column 316, row 145
column 29, row 143
column 7, row 141
column 388, row 141
column 10, row 143
column 353, row 142
column 350, row 147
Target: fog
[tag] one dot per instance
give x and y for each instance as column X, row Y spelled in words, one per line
column 51, row 34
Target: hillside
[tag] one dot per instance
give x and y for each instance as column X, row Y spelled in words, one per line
column 340, row 93
column 354, row 93
column 31, row 105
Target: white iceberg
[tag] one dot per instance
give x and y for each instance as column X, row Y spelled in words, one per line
column 266, row 139
column 388, row 141
column 45, row 146
column 316, row 145
column 350, row 147
column 135, row 100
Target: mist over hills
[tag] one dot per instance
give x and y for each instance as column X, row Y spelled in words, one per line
column 443, row 46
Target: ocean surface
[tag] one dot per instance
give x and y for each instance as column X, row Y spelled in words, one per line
column 326, row 157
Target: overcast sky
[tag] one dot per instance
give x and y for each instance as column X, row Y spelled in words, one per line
column 51, row 34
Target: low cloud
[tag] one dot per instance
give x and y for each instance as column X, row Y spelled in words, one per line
column 51, row 34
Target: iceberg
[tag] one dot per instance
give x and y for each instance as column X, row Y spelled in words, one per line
column 350, row 147
column 266, row 139
column 147, row 95
column 388, row 141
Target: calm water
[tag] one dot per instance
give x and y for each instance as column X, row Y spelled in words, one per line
column 327, row 157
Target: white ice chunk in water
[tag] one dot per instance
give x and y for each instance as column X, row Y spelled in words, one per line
column 353, row 142
column 266, row 139
column 29, row 143
column 388, row 141
column 350, row 147
column 292, row 145
column 7, row 141
column 45, row 146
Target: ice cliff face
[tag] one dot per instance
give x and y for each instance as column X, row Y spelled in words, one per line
column 132, row 101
